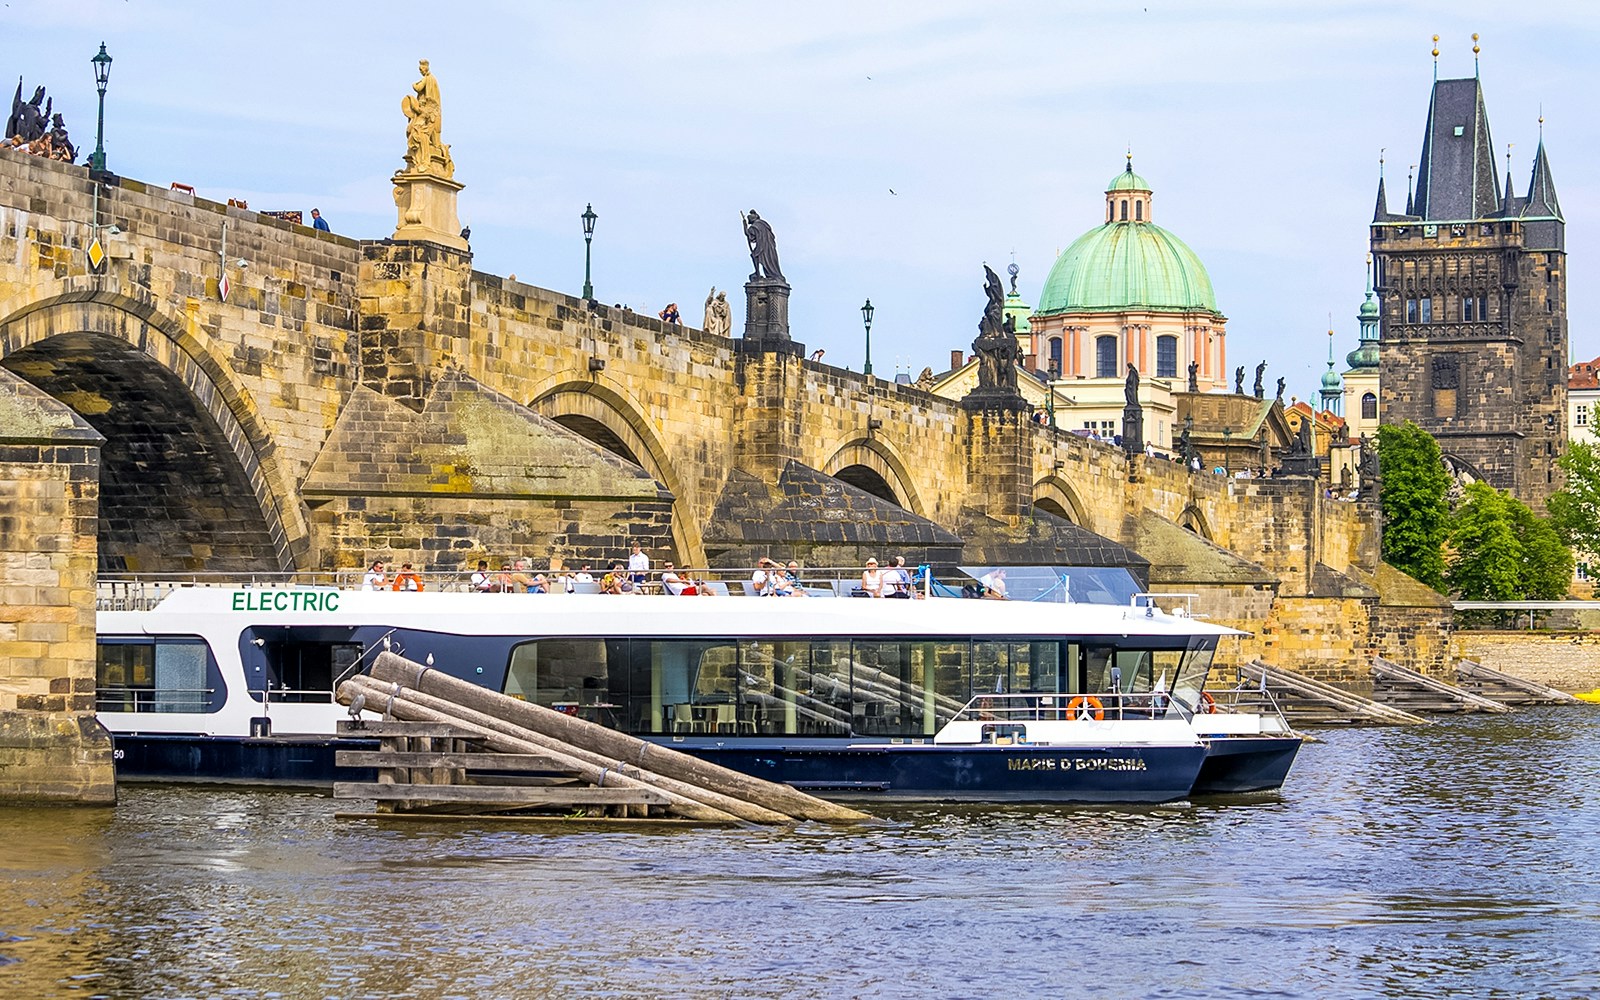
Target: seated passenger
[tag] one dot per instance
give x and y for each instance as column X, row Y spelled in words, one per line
column 672, row 583
column 407, row 578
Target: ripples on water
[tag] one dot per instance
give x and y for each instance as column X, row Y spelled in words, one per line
column 1454, row 860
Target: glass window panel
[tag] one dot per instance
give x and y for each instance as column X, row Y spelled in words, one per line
column 180, row 677
column 1105, row 357
column 124, row 676
column 1167, row 357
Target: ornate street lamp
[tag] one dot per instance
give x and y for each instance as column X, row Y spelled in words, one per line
column 1227, row 434
column 102, row 73
column 866, row 318
column 588, row 238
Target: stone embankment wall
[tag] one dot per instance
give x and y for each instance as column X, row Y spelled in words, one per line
column 1566, row 660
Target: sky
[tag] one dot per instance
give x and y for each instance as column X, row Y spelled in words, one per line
column 895, row 147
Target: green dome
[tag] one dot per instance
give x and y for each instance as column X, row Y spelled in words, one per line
column 1128, row 181
column 1123, row 266
column 1329, row 379
column 1369, row 308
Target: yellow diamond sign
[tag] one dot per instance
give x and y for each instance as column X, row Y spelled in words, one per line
column 97, row 254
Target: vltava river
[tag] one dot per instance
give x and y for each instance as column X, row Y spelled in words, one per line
column 1459, row 860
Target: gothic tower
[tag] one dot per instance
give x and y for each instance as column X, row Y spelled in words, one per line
column 1473, row 304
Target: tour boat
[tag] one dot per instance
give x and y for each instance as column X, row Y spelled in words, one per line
column 941, row 698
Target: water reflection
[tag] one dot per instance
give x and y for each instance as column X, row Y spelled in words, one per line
column 1451, row 860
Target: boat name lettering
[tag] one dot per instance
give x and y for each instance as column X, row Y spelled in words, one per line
column 286, row 600
column 1079, row 764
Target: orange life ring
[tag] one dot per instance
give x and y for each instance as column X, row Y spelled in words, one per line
column 1208, row 704
column 1085, row 706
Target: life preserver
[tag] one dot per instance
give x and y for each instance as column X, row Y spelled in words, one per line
column 1208, row 704
column 1085, row 706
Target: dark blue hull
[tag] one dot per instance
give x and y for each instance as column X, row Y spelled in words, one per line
column 1023, row 773
column 270, row 760
column 1027, row 773
column 1246, row 764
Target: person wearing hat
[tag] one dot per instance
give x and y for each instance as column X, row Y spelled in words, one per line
column 872, row 579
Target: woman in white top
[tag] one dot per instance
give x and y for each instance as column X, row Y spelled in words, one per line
column 872, row 579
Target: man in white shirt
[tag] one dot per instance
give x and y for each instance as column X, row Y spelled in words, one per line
column 760, row 580
column 671, row 582
column 638, row 565
column 373, row 580
column 994, row 583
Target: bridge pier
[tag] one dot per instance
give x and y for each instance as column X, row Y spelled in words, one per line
column 999, row 456
column 52, row 749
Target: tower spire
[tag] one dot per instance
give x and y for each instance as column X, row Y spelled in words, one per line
column 1475, row 51
column 1510, row 196
column 1435, row 58
column 1380, row 211
column 1410, row 204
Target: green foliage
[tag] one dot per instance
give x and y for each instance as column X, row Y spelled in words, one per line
column 1415, row 510
column 1487, row 562
column 1575, row 511
column 1502, row 552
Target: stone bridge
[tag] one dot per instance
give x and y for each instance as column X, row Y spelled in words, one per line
column 349, row 400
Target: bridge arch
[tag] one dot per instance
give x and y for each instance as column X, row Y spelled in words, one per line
column 189, row 480
column 601, row 413
column 1055, row 495
column 872, row 464
column 1194, row 519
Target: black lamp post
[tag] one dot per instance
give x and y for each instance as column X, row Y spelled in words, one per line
column 866, row 318
column 102, row 73
column 588, row 238
column 1227, row 435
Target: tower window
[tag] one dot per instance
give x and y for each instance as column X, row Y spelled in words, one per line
column 1425, row 307
column 1124, row 210
column 1167, row 356
column 1483, row 308
column 1411, row 310
column 1369, row 406
column 1138, row 211
column 1468, row 310
column 1105, row 357
column 1055, row 356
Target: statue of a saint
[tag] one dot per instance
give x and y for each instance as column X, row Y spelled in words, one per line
column 1238, row 381
column 1260, row 386
column 1130, row 390
column 426, row 152
column 925, row 380
column 64, row 149
column 28, row 119
column 1194, row 376
column 996, row 346
column 1282, row 382
column 719, row 317
column 1367, row 464
column 763, row 247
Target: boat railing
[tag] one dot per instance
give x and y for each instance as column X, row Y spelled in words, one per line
column 1249, row 700
column 127, row 698
column 1038, row 706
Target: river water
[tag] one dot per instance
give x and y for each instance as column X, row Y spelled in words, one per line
column 1454, row 860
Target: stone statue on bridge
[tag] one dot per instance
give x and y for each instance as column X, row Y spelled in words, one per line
column 1238, row 381
column 763, row 248
column 426, row 152
column 719, row 317
column 1130, row 389
column 1282, row 384
column 1194, row 376
column 1260, row 386
column 996, row 346
column 29, row 120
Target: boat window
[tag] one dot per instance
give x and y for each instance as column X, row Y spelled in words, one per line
column 1015, row 667
column 558, row 672
column 156, row 675
column 1191, row 674
column 794, row 686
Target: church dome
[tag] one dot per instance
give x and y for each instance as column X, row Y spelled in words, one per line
column 1330, row 380
column 1128, row 264
column 1123, row 266
column 1369, row 309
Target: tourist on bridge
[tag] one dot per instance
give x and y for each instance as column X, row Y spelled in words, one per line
column 670, row 315
column 318, row 222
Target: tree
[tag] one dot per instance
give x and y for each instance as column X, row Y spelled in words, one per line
column 1487, row 562
column 1546, row 573
column 1575, row 511
column 1415, row 511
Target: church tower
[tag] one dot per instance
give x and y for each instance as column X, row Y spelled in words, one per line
column 1472, row 301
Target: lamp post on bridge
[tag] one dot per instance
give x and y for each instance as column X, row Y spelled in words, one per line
column 866, row 319
column 1050, row 400
column 588, row 218
column 1227, row 434
column 102, row 74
